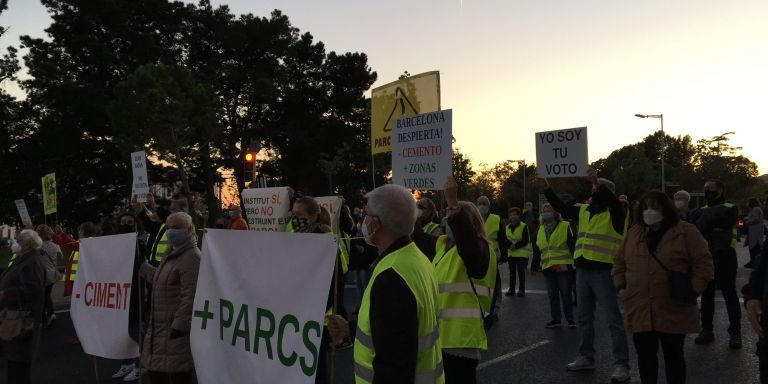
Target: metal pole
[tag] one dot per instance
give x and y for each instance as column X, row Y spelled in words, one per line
column 373, row 171
column 663, row 149
column 523, row 183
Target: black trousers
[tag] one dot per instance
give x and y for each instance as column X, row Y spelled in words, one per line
column 762, row 356
column 459, row 370
column 647, row 345
column 19, row 372
column 171, row 378
column 48, row 303
column 517, row 264
column 725, row 264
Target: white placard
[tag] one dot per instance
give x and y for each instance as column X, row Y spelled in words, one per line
column 333, row 205
column 248, row 323
column 267, row 209
column 21, row 206
column 101, row 296
column 140, row 180
column 562, row 153
column 421, row 150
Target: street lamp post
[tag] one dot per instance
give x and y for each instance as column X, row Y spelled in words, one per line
column 663, row 143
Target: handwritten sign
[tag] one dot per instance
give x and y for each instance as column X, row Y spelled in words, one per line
column 140, row 181
column 562, row 153
column 267, row 209
column 21, row 206
column 421, row 150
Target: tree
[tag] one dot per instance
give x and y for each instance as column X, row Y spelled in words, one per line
column 165, row 109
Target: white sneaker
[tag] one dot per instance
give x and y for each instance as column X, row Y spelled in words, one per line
column 51, row 320
column 135, row 374
column 620, row 374
column 124, row 370
column 581, row 364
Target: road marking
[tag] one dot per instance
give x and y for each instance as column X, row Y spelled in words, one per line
column 512, row 354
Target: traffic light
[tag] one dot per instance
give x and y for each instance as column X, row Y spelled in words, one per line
column 249, row 158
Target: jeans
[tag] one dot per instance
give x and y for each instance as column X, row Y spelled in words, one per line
column 725, row 278
column 593, row 287
column 559, row 289
column 647, row 345
column 762, row 358
column 517, row 264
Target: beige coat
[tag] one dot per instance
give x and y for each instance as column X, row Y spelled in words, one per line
column 647, row 303
column 173, row 293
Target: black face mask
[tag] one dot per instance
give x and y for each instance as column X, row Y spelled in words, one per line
column 219, row 226
column 125, row 228
column 300, row 224
column 711, row 196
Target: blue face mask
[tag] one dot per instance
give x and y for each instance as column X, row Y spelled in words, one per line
column 483, row 209
column 177, row 237
column 547, row 216
column 448, row 231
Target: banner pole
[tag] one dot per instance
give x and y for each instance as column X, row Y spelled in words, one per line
column 373, row 171
column 96, row 369
column 141, row 310
column 334, row 312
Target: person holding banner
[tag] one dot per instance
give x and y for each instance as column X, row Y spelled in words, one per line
column 602, row 227
column 466, row 269
column 166, row 353
column 22, row 291
column 397, row 326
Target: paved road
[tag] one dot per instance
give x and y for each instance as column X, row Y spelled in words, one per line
column 521, row 350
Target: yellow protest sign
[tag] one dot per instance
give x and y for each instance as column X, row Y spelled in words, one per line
column 49, row 193
column 409, row 96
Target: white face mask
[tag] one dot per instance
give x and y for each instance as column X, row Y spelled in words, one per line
column 367, row 235
column 652, row 216
column 680, row 204
column 15, row 248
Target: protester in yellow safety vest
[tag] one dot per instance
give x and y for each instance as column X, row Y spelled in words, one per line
column 494, row 229
column 518, row 249
column 556, row 243
column 602, row 227
column 153, row 220
column 466, row 274
column 310, row 217
column 428, row 219
column 396, row 337
column 86, row 230
column 717, row 223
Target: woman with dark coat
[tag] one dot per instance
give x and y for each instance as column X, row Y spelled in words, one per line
column 22, row 288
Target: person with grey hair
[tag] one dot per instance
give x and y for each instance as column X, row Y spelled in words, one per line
column 682, row 200
column 53, row 254
column 602, row 227
column 398, row 317
column 22, row 288
column 167, row 354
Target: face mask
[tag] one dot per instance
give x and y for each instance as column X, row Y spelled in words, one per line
column 219, row 226
column 176, row 237
column 680, row 204
column 711, row 196
column 547, row 216
column 652, row 216
column 232, row 214
column 483, row 210
column 300, row 224
column 125, row 228
column 366, row 234
column 15, row 247
column 514, row 219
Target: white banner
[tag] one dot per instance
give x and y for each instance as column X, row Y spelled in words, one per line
column 140, row 180
column 102, row 295
column 267, row 209
column 333, row 205
column 562, row 153
column 421, row 150
column 21, row 206
column 249, row 325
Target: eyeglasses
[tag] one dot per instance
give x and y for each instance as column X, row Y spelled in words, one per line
column 423, row 207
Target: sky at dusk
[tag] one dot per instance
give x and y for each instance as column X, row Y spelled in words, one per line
column 512, row 68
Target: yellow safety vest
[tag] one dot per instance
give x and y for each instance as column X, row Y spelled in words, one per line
column 414, row 268
column 514, row 237
column 344, row 251
column 554, row 251
column 597, row 239
column 160, row 246
column 492, row 223
column 431, row 227
column 13, row 257
column 735, row 231
column 461, row 317
column 73, row 269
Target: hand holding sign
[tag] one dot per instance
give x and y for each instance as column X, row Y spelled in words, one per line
column 592, row 176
